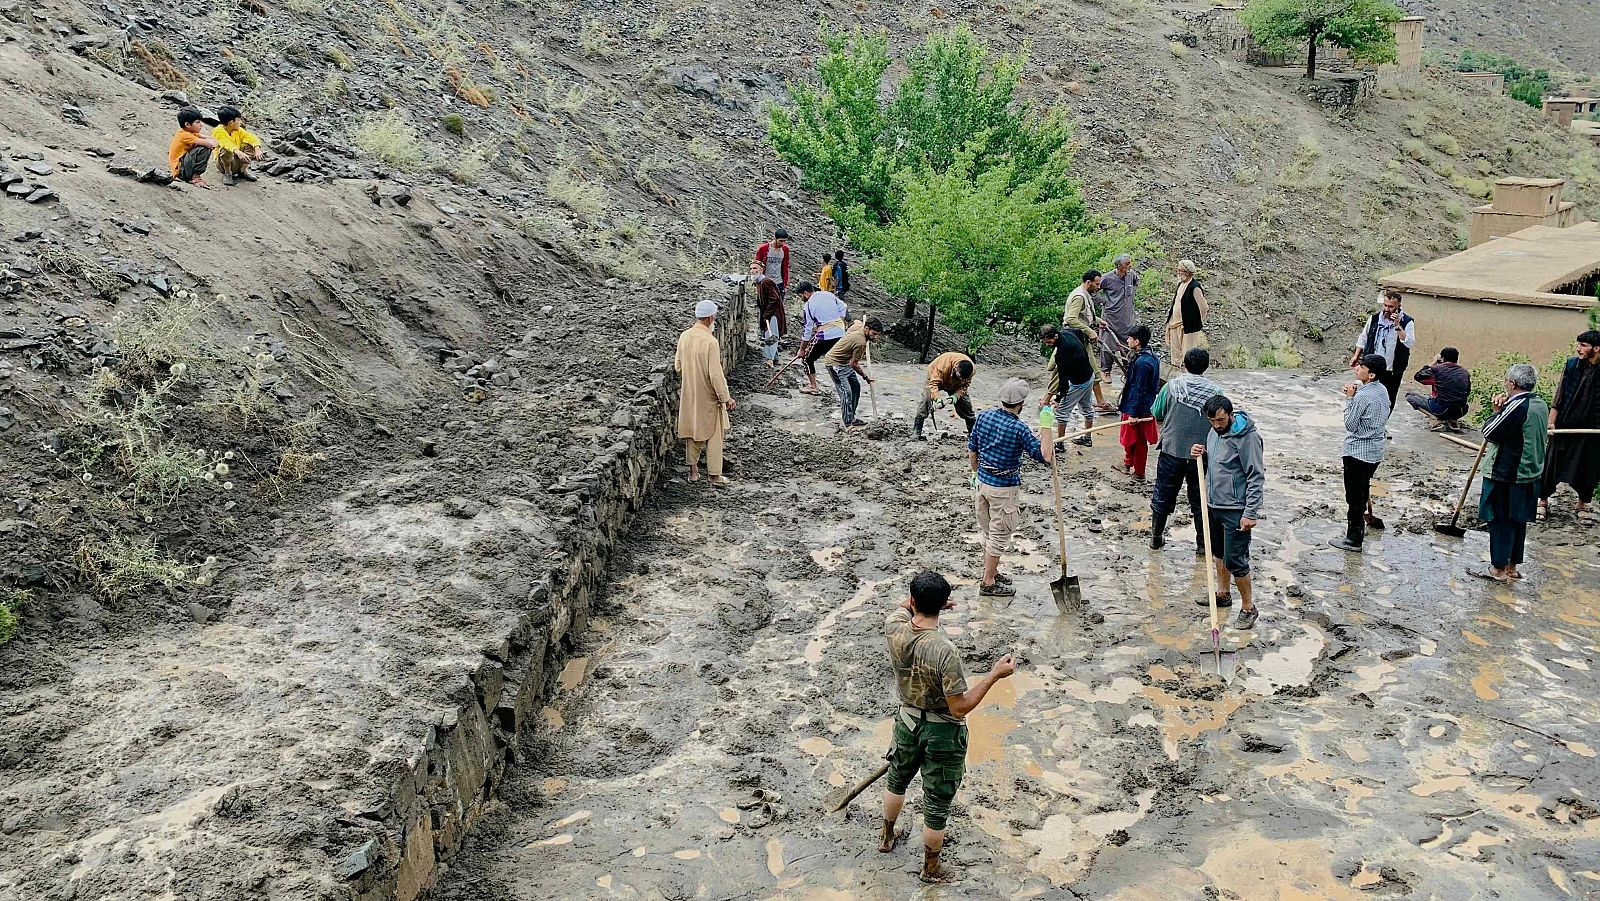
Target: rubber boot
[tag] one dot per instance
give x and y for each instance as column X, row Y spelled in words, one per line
column 1158, row 531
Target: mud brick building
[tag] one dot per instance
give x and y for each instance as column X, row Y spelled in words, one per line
column 1407, row 44
column 1562, row 110
column 1530, row 292
column 1519, row 203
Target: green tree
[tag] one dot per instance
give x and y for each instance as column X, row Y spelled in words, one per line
column 990, row 248
column 1360, row 26
column 834, row 132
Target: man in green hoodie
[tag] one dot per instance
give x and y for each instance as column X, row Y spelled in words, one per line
column 1513, row 471
column 1236, row 483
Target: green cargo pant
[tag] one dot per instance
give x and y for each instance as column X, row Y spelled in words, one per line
column 939, row 752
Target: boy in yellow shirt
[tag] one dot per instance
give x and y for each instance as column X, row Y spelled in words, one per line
column 190, row 151
column 236, row 147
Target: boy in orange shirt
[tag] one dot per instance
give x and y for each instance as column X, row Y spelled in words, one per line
column 190, row 151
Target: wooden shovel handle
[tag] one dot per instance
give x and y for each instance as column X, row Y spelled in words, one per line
column 1205, row 532
column 1471, row 474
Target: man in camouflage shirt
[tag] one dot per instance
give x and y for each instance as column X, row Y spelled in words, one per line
column 930, row 730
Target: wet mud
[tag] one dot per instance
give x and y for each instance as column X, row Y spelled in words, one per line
column 1391, row 728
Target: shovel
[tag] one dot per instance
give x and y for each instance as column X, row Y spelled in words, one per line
column 1450, row 528
column 1211, row 572
column 1068, row 594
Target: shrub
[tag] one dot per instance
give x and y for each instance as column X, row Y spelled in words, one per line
column 469, row 165
column 390, row 138
column 340, row 59
column 1415, row 149
column 1488, row 379
column 12, row 601
column 158, row 61
column 159, row 335
column 121, row 566
column 242, row 70
column 454, row 124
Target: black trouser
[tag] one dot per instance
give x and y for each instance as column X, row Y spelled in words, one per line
column 927, row 409
column 1357, row 494
column 1171, row 473
column 193, row 163
column 1507, row 539
column 1391, row 381
column 822, row 346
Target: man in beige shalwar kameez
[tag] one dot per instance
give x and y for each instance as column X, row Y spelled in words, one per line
column 1186, row 320
column 705, row 400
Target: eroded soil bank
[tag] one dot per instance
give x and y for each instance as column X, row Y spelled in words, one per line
column 1392, row 728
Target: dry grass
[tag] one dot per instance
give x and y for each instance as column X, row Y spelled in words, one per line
column 569, row 188
column 598, row 40
column 340, row 59
column 392, row 139
column 158, row 61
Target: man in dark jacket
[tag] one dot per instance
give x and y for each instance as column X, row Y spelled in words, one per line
column 841, row 274
column 1512, row 468
column 1071, row 379
column 1178, row 408
column 1575, row 459
column 1236, row 480
column 1390, row 333
column 1452, row 386
column 1144, row 380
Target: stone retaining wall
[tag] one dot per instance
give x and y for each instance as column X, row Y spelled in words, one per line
column 437, row 795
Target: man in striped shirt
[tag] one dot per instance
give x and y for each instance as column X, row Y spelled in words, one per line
column 995, row 448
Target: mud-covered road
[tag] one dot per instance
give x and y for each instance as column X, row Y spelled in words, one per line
column 1393, row 728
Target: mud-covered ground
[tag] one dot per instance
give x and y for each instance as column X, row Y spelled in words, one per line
column 1392, row 728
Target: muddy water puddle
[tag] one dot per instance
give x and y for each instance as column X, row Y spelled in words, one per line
column 1388, row 728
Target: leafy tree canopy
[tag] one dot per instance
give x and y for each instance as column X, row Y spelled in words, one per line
column 1359, row 26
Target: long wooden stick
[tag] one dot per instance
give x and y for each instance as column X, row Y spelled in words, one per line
column 1461, row 501
column 872, row 391
column 861, row 786
column 1211, row 572
column 1557, row 432
column 1101, row 428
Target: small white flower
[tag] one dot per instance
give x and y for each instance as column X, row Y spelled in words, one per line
column 227, row 486
column 211, row 477
column 228, row 455
column 222, row 469
column 87, row 478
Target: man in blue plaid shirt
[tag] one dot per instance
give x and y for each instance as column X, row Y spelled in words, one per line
column 994, row 450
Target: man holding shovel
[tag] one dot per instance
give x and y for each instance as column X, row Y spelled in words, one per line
column 949, row 374
column 995, row 448
column 1513, row 466
column 1235, row 473
column 930, row 730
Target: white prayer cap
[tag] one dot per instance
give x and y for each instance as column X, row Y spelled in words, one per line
column 705, row 309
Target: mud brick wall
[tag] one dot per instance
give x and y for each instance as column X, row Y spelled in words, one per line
column 448, row 783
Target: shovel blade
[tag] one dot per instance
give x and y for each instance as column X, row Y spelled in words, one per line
column 1445, row 528
column 1068, row 594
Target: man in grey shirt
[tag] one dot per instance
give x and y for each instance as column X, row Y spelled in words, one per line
column 1366, row 415
column 1119, row 286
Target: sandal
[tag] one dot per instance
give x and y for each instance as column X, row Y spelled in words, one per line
column 1485, row 573
column 811, row 391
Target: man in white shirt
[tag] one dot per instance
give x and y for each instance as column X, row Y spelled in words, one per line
column 1390, row 333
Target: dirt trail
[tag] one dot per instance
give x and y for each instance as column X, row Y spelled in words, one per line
column 1392, row 728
